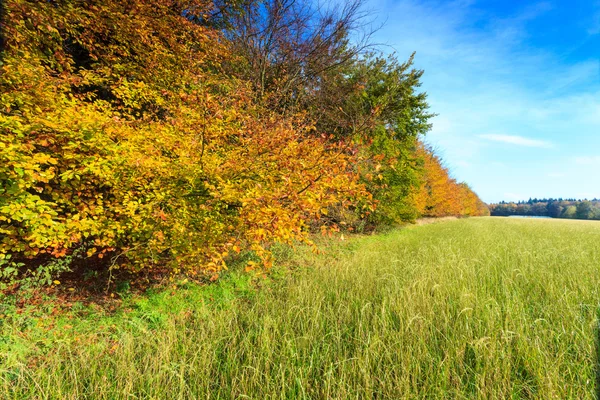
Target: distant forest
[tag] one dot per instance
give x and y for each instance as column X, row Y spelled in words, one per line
column 555, row 208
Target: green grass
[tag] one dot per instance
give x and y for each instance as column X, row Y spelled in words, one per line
column 480, row 308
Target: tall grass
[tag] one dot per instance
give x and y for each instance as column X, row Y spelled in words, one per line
column 479, row 308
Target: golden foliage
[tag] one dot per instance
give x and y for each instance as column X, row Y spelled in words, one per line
column 120, row 135
column 438, row 194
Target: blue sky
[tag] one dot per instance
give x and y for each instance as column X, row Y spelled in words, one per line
column 516, row 85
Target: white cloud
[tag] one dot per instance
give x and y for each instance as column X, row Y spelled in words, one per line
column 517, row 140
column 484, row 74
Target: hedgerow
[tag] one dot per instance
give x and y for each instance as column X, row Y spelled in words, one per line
column 128, row 134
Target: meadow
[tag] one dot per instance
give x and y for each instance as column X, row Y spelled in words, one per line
column 484, row 308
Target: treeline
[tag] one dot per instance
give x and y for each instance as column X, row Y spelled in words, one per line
column 555, row 208
column 164, row 133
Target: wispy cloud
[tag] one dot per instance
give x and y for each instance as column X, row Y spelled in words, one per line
column 517, row 140
column 496, row 72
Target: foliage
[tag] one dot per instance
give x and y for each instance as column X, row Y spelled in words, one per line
column 134, row 135
column 438, row 194
column 555, row 208
column 135, row 147
column 388, row 115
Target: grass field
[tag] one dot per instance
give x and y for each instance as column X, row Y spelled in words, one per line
column 484, row 308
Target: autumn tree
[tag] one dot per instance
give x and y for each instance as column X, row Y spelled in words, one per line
column 176, row 134
column 120, row 137
column 286, row 47
column 439, row 194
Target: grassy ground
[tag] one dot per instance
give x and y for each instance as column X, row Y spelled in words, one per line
column 481, row 308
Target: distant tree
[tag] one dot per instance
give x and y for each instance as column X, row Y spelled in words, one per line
column 524, row 209
column 584, row 210
column 539, row 209
column 569, row 212
column 595, row 211
column 555, row 209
